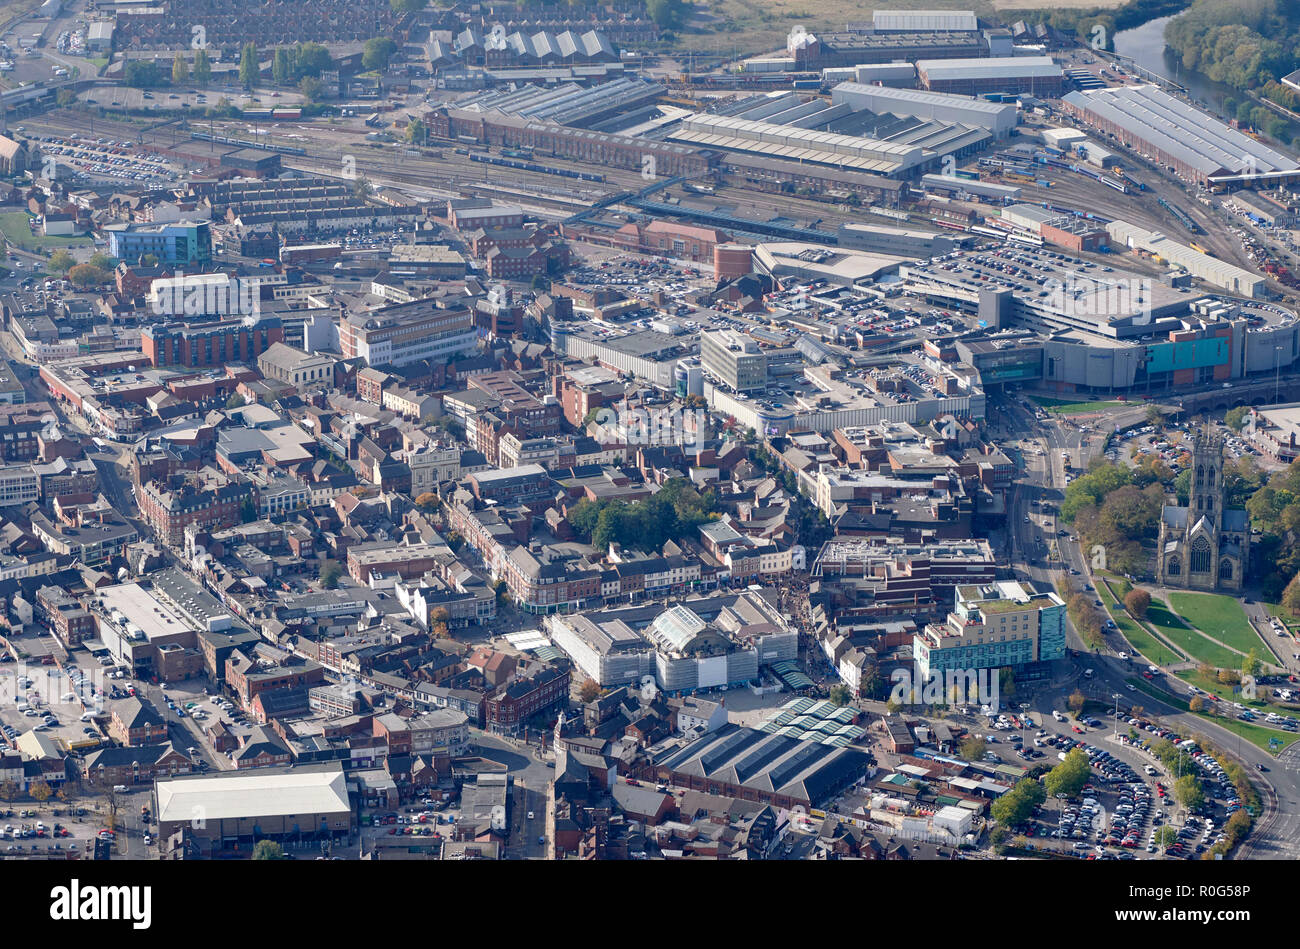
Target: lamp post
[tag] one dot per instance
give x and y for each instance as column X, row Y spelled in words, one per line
column 1115, row 736
column 1060, row 809
column 1024, row 710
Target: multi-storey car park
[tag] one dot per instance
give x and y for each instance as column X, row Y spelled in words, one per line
column 1096, row 328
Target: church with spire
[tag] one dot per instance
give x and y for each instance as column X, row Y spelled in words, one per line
column 1202, row 546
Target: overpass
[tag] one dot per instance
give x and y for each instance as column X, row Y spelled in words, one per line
column 1259, row 391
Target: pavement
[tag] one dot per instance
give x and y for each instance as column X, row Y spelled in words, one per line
column 1277, row 832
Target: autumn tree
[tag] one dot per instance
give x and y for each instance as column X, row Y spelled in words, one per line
column 1077, row 701
column 1137, row 602
column 267, row 850
column 589, row 690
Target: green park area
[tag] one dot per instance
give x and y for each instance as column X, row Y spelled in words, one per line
column 1221, row 617
column 1189, row 640
column 1065, row 407
column 1138, row 637
column 14, row 226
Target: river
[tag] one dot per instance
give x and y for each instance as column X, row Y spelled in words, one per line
column 1145, row 45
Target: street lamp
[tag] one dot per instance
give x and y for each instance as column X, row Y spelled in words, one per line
column 1060, row 809
column 1024, row 710
column 1115, row 736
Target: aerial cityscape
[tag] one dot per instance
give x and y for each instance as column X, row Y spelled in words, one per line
column 636, row 430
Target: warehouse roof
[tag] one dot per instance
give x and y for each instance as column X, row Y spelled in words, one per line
column 925, row 97
column 1178, row 129
column 989, row 67
column 302, row 791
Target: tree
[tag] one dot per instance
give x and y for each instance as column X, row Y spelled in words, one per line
column 102, row 260
column 84, row 276
column 312, row 59
column 40, row 791
column 1069, row 776
column 1018, row 804
column 441, row 631
column 1291, row 596
column 440, row 615
column 974, row 749
column 1165, row 836
column 589, row 691
column 249, row 68
column 427, row 501
column 236, row 401
column 1251, row 664
column 281, row 68
column 65, row 97
column 377, row 52
column 1077, row 701
column 330, row 571
column 417, row 133
column 667, row 14
column 1137, row 602
column 839, row 694
column 267, row 850
column 311, row 88
column 8, row 790
column 202, row 68
column 141, row 74
column 1236, row 418
column 61, row 262
column 408, row 6
column 1188, row 792
column 180, row 69
column 363, row 189
column 1197, row 704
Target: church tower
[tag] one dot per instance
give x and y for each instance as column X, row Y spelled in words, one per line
column 1206, row 495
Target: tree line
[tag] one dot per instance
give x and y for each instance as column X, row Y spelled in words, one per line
column 674, row 511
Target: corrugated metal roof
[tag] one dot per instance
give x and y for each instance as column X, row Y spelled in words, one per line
column 992, row 67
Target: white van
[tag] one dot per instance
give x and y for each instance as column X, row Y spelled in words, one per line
column 1057, row 715
column 119, row 788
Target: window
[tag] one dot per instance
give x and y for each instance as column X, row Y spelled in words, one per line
column 1200, row 560
column 1175, row 568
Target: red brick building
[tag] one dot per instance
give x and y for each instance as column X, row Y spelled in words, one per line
column 510, row 707
column 210, row 343
column 171, row 506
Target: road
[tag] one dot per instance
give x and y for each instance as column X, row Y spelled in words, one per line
column 1277, row 834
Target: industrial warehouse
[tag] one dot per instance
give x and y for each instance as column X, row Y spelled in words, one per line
column 1193, row 143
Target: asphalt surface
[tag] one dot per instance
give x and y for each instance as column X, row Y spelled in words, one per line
column 1277, row 833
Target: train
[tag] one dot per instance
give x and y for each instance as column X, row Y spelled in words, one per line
column 262, row 146
column 1181, row 216
column 533, row 166
column 526, row 153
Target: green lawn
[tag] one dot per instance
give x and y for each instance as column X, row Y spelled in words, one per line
column 1220, row 616
column 1066, row 407
column 1255, row 734
column 1142, row 641
column 13, row 224
column 1189, row 640
column 1224, row 692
